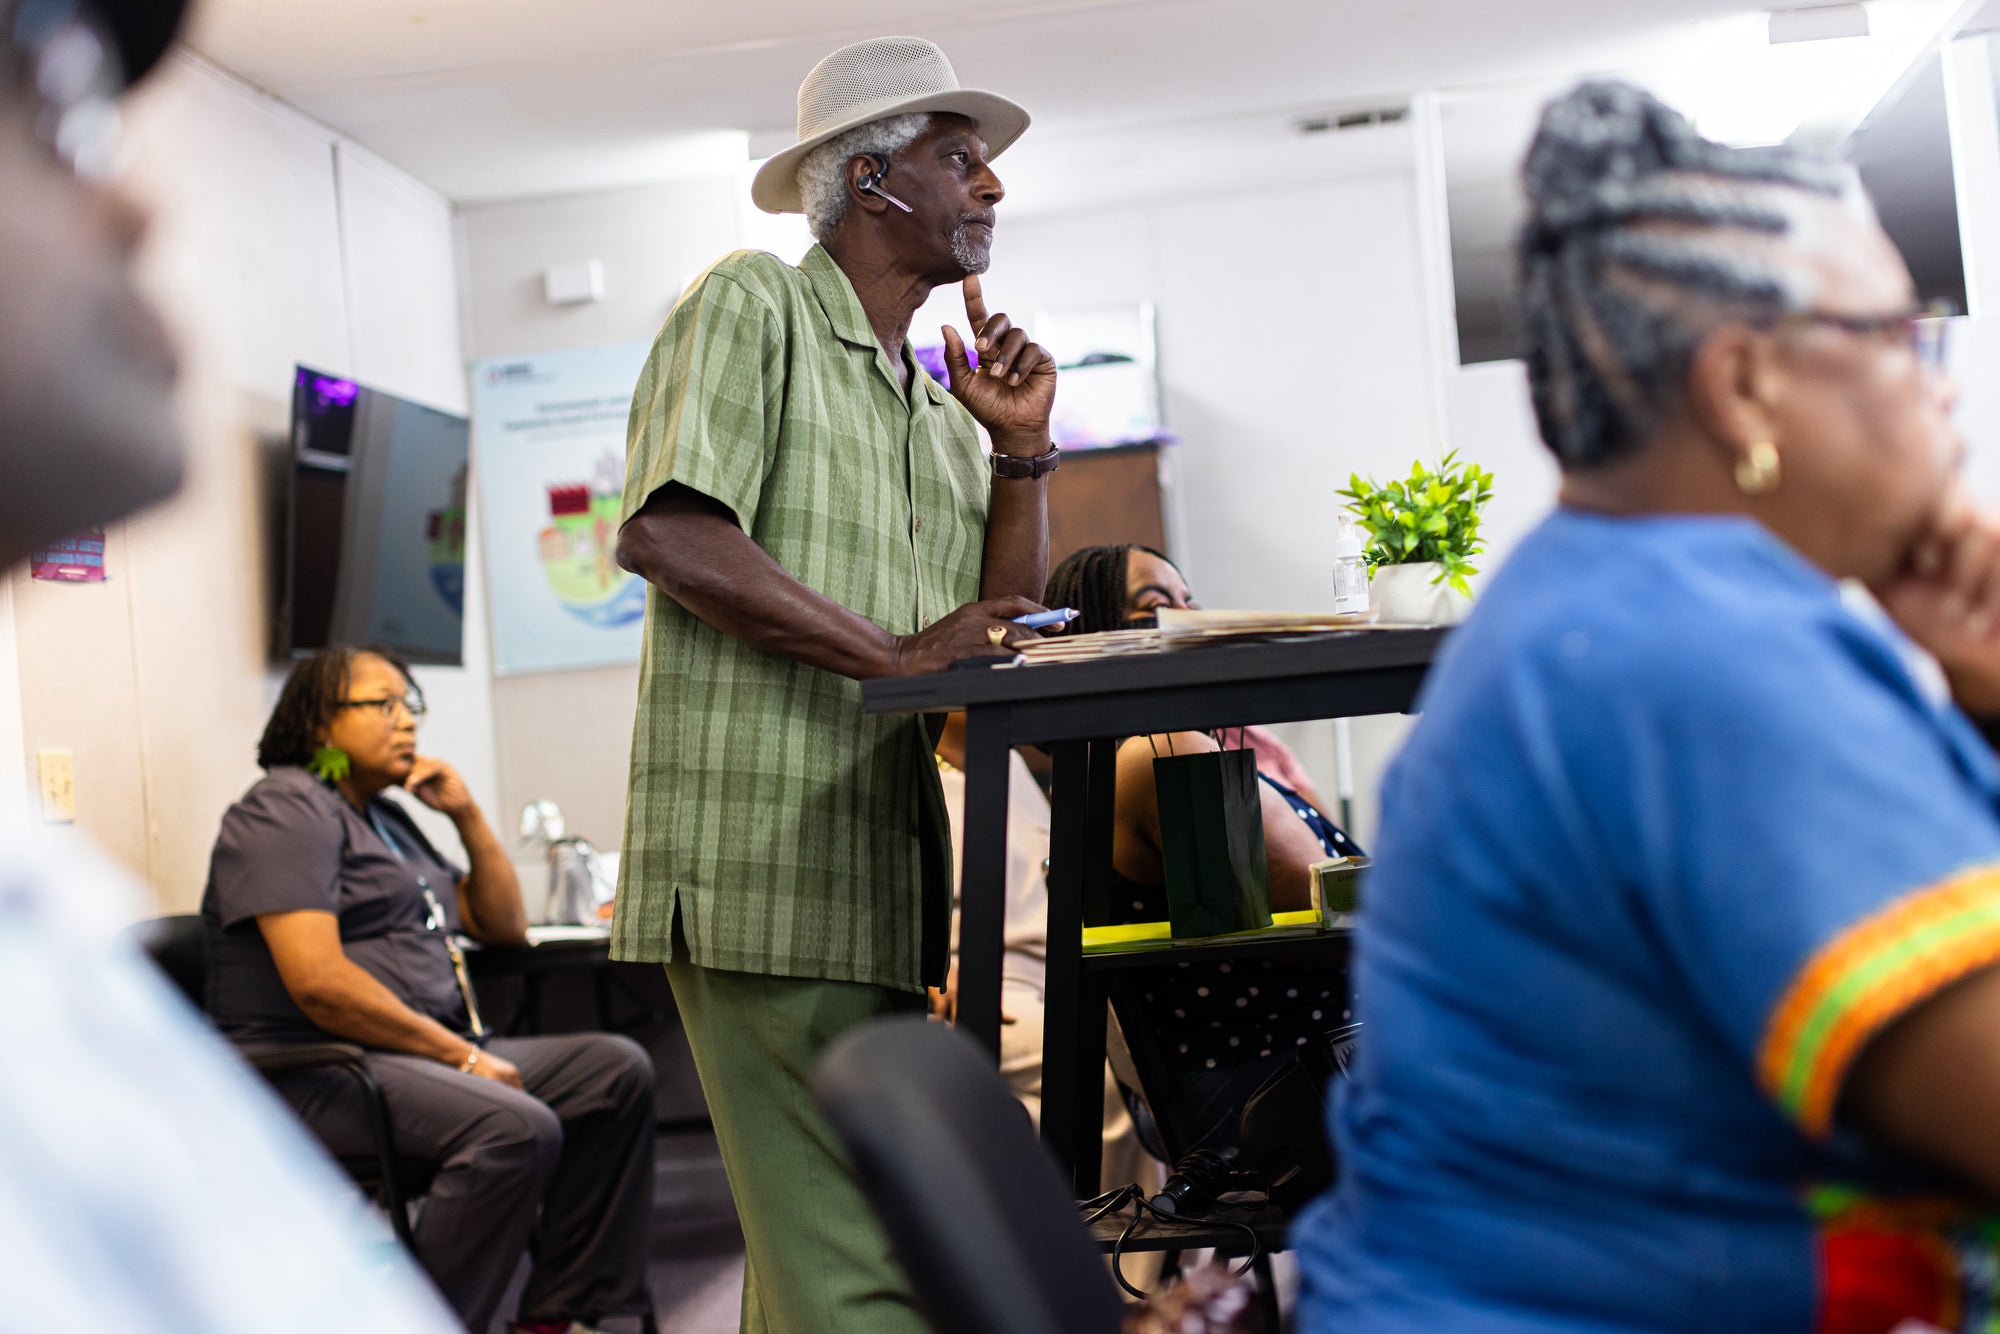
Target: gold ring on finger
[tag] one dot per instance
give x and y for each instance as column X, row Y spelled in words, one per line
column 996, row 634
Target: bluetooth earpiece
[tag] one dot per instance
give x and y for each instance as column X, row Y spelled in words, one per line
column 872, row 182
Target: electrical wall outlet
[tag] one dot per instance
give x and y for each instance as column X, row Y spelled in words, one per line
column 58, row 777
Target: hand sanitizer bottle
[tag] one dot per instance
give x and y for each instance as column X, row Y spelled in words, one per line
column 1350, row 569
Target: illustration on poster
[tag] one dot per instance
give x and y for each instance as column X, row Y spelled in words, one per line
column 578, row 548
column 549, row 448
column 445, row 531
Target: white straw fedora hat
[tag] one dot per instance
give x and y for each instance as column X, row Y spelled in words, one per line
column 871, row 80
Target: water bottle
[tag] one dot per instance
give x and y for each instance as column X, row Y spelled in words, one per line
column 1350, row 569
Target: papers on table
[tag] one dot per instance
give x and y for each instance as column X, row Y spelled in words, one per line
column 1193, row 629
column 1180, row 627
column 545, row 935
column 1074, row 647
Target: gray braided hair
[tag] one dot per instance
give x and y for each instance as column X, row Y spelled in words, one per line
column 1641, row 237
column 822, row 174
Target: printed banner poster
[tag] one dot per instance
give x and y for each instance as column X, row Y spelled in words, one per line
column 73, row 560
column 549, row 433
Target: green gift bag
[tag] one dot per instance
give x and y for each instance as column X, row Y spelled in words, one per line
column 1212, row 842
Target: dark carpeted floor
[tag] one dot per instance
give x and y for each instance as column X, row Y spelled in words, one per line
column 697, row 1262
column 696, row 1265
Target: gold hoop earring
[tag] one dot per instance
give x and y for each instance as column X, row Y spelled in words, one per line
column 1757, row 471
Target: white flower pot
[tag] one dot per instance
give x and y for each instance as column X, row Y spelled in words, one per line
column 1405, row 594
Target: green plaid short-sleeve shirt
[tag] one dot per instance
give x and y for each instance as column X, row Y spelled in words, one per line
column 794, row 834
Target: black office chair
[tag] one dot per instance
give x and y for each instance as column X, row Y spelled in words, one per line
column 179, row 946
column 977, row 1214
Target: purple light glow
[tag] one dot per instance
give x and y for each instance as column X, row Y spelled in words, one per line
column 336, row 392
column 932, row 359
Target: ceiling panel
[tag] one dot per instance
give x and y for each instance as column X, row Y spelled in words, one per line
column 488, row 99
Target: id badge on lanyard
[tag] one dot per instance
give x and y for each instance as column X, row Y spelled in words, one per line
column 436, row 921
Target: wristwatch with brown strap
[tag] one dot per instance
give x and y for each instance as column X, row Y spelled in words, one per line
column 1015, row 468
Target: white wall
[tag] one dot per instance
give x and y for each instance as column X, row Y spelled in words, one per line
column 13, row 777
column 1972, row 83
column 566, row 736
column 273, row 243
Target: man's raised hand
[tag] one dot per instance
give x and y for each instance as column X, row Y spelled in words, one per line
column 1014, row 389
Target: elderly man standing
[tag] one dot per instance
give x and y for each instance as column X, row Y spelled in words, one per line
column 813, row 510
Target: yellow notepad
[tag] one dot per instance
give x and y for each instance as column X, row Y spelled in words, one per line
column 1159, row 935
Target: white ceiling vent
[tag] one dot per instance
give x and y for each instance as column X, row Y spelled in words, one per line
column 1334, row 122
column 1819, row 23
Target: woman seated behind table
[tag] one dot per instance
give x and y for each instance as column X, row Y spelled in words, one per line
column 1227, row 1026
column 1679, row 953
column 1122, row 588
column 330, row 915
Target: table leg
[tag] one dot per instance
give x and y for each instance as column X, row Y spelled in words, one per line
column 1073, row 1016
column 1092, row 1000
column 1064, row 1102
column 600, row 989
column 528, row 1022
column 982, row 898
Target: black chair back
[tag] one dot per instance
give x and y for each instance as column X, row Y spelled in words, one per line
column 179, row 945
column 978, row 1216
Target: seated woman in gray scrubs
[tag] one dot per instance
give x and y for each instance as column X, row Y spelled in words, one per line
column 331, row 916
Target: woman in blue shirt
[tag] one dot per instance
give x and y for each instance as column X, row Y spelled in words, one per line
column 1675, row 968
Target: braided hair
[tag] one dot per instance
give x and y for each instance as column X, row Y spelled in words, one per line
column 1093, row 581
column 1641, row 237
column 312, row 691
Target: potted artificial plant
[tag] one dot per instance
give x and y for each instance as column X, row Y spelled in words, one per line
column 1423, row 531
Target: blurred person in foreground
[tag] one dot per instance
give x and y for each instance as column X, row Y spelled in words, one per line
column 148, row 1181
column 812, row 510
column 1677, row 961
column 332, row 918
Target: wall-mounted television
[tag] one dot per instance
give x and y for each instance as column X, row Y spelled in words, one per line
column 374, row 545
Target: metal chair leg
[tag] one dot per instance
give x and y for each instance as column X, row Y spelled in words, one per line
column 385, row 1152
column 1267, row 1291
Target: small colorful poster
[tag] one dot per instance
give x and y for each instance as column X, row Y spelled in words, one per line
column 74, row 560
column 549, row 439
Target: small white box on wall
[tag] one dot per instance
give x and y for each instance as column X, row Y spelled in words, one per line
column 574, row 284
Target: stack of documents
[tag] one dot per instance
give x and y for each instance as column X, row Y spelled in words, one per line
column 1185, row 627
column 1193, row 629
column 1089, row 648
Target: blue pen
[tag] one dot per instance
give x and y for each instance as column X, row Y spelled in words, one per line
column 1043, row 619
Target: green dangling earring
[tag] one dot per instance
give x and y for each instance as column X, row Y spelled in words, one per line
column 330, row 763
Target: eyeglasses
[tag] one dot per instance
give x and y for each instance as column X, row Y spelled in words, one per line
column 1924, row 330
column 74, row 68
column 412, row 704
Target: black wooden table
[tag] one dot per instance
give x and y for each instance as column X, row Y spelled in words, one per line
column 1078, row 711
column 533, row 963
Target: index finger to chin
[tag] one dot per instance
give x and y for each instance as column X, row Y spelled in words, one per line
column 975, row 302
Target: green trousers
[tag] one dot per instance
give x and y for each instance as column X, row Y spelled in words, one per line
column 815, row 1260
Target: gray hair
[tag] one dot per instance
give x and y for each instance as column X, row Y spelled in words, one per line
column 1642, row 236
column 822, row 173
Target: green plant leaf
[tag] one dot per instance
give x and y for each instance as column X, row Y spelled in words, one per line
column 1431, row 515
